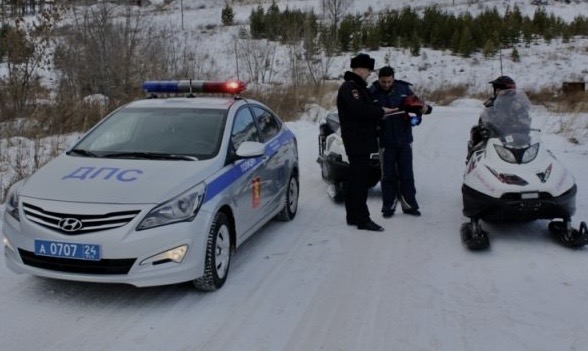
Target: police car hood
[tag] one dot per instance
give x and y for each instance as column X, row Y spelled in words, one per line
column 96, row 180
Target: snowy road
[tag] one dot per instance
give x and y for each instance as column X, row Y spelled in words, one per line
column 317, row 284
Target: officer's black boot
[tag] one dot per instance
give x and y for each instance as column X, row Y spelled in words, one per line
column 370, row 225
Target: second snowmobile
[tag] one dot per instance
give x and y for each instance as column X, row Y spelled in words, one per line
column 511, row 176
column 333, row 160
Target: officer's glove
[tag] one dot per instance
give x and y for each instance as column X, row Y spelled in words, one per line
column 415, row 120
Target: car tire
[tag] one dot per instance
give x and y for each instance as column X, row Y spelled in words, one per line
column 291, row 203
column 218, row 255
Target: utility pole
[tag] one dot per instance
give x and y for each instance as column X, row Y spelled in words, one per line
column 182, row 11
column 501, row 61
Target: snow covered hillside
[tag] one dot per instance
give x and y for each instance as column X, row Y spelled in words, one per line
column 541, row 64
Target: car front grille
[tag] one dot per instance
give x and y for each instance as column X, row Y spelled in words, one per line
column 104, row 266
column 84, row 223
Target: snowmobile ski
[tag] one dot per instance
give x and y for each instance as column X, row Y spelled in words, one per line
column 569, row 236
column 473, row 237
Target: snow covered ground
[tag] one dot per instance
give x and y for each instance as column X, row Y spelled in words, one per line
column 318, row 284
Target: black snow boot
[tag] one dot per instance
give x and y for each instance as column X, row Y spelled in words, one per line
column 370, row 225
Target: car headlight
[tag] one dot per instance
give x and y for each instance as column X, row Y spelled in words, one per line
column 505, row 154
column 183, row 207
column 530, row 154
column 12, row 201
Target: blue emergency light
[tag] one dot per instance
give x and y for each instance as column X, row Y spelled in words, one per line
column 194, row 86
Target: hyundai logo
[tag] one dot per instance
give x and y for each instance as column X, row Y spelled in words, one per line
column 70, row 224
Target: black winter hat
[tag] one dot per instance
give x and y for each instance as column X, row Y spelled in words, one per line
column 363, row 61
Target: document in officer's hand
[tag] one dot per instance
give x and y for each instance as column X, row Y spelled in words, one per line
column 395, row 112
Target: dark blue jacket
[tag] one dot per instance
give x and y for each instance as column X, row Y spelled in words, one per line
column 396, row 130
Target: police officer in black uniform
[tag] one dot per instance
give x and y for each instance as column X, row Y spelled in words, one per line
column 359, row 116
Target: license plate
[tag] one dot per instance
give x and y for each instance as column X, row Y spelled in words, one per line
column 89, row 252
column 527, row 196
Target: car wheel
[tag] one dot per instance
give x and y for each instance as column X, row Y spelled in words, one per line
column 218, row 255
column 291, row 203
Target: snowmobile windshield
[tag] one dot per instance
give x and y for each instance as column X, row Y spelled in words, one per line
column 518, row 147
column 510, row 115
column 333, row 121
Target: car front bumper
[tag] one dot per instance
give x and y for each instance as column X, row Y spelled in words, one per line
column 124, row 252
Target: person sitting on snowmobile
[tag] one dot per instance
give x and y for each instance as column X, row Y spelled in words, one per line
column 506, row 112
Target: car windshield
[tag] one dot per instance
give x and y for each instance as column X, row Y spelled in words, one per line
column 510, row 115
column 156, row 133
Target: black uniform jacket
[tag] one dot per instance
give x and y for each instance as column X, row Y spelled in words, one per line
column 359, row 116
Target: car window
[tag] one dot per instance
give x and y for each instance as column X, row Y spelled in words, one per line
column 268, row 124
column 117, row 131
column 185, row 131
column 244, row 128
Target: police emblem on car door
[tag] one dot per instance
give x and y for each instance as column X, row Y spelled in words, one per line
column 277, row 166
column 249, row 192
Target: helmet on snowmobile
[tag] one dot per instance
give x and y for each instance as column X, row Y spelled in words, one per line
column 502, row 83
column 413, row 104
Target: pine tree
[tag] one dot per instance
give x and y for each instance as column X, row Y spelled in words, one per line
column 515, row 55
column 349, row 30
column 273, row 24
column 228, row 15
column 466, row 47
column 371, row 36
column 257, row 24
column 489, row 48
column 415, row 45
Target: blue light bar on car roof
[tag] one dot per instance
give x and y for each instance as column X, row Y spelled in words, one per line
column 194, row 86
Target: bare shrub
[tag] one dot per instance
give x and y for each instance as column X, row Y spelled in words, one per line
column 290, row 101
column 102, row 53
column 21, row 157
column 109, row 50
column 27, row 46
column 256, row 58
column 558, row 102
column 445, row 95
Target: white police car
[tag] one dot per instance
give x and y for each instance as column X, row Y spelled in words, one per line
column 161, row 191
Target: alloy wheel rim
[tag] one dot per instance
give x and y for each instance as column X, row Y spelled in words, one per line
column 222, row 251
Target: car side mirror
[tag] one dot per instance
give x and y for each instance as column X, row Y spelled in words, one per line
column 249, row 149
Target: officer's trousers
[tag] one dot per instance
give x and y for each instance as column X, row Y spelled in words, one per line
column 357, row 190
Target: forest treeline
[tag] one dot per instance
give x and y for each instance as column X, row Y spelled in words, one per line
column 462, row 34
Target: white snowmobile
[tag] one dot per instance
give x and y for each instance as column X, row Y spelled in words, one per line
column 511, row 176
column 333, row 159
